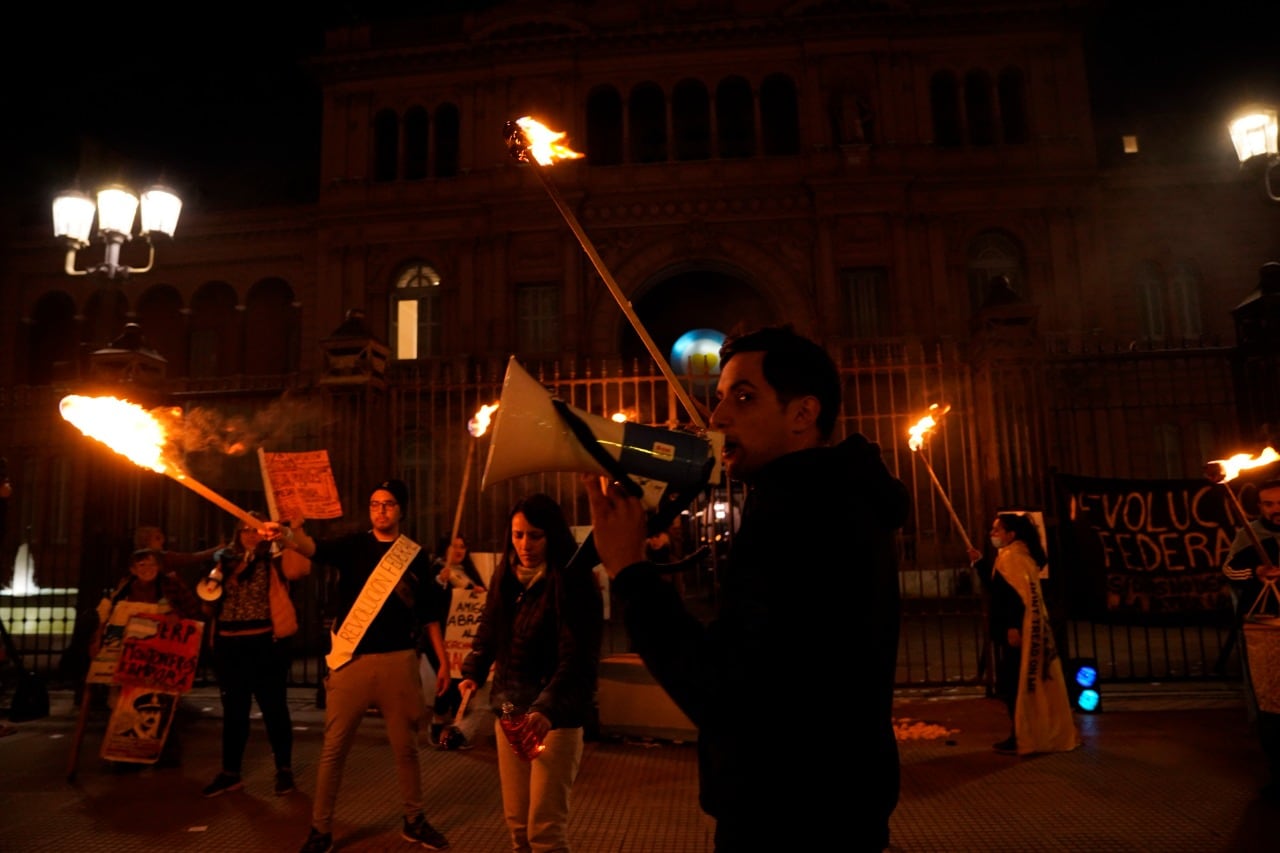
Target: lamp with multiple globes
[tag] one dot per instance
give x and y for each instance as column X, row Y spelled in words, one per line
column 116, row 209
column 1253, row 132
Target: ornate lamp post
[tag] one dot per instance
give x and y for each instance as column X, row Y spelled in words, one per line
column 116, row 208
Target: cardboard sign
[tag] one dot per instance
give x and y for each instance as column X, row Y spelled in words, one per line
column 300, row 485
column 160, row 651
column 139, row 724
column 102, row 668
column 460, row 628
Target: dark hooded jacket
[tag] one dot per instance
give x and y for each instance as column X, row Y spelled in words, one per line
column 808, row 613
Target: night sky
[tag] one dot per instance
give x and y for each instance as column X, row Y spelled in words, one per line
column 218, row 102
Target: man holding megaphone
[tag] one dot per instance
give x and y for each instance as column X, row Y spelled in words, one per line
column 812, row 510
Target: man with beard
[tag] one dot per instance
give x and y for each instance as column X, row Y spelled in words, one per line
column 812, row 510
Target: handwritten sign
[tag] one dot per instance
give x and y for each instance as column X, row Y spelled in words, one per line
column 1157, row 545
column 160, row 652
column 114, row 620
column 460, row 629
column 301, row 485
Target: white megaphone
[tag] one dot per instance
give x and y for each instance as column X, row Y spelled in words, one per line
column 535, row 432
column 210, row 587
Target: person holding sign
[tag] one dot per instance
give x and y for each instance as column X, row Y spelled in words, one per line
column 1246, row 570
column 541, row 632
column 252, row 621
column 454, row 570
column 811, row 511
column 385, row 590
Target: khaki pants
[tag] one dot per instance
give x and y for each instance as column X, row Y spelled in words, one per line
column 389, row 681
column 535, row 794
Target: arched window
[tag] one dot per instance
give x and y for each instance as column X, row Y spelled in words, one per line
column 54, row 346
column 272, row 333
column 779, row 116
column 448, row 122
column 647, row 117
column 735, row 118
column 978, row 108
column 416, row 143
column 386, row 145
column 994, row 254
column 164, row 325
column 538, row 318
column 1167, row 450
column 415, row 312
column 1150, row 288
column 1184, row 295
column 604, row 127
column 944, row 105
column 691, row 120
column 215, row 332
column 1012, row 91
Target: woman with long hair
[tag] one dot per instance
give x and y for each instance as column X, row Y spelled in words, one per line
column 251, row 624
column 541, row 630
column 1028, row 671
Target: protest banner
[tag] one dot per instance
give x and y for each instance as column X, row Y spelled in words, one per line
column 1147, row 550
column 114, row 619
column 299, row 485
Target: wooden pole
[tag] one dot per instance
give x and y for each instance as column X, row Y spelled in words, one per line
column 618, row 295
column 462, row 496
column 945, row 500
column 210, row 495
column 82, row 722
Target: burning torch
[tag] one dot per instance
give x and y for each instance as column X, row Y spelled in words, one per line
column 915, row 441
column 477, row 426
column 141, row 437
column 530, row 141
column 1225, row 470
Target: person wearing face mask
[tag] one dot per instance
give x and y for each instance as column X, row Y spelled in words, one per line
column 1028, row 671
column 541, row 631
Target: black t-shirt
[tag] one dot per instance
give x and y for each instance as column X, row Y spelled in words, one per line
column 407, row 609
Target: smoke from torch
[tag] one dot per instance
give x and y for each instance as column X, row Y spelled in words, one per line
column 142, row 438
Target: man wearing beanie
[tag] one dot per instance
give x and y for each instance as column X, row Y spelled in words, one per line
column 385, row 592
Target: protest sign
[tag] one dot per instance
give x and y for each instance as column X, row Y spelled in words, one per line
column 113, row 619
column 299, row 485
column 460, row 629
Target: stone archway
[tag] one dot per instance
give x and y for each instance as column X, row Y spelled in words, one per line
column 710, row 298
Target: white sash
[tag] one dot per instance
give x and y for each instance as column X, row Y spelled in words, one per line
column 382, row 580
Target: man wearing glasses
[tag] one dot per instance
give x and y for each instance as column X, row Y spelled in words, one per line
column 385, row 593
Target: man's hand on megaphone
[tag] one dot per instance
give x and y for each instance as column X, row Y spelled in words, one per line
column 619, row 524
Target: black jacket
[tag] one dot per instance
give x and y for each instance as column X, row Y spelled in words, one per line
column 808, row 607
column 543, row 644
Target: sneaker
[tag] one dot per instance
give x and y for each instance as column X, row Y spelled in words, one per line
column 1008, row 746
column 222, row 783
column 284, row 782
column 422, row 832
column 318, row 842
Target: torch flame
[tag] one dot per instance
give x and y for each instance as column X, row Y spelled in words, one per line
column 1226, row 470
column 479, row 422
column 544, row 143
column 926, row 424
column 125, row 427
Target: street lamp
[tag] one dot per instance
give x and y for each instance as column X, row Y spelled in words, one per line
column 1253, row 132
column 116, row 208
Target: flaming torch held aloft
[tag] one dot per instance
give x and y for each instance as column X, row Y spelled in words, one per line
column 140, row 437
column 1225, row 470
column 915, row 441
column 530, row 141
column 477, row 426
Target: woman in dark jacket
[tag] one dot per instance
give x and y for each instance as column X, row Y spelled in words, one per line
column 541, row 631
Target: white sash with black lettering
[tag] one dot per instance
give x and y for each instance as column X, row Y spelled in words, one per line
column 382, row 580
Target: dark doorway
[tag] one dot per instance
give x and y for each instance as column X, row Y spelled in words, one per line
column 693, row 300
